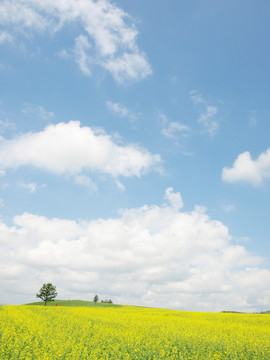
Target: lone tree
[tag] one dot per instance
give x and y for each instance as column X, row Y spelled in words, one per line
column 47, row 293
column 95, row 299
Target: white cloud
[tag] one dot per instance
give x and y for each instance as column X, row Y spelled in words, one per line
column 163, row 118
column 63, row 54
column 170, row 129
column 245, row 169
column 109, row 28
column 196, row 97
column 22, row 15
column 37, row 111
column 86, row 181
column 119, row 109
column 207, row 117
column 152, row 255
column 207, row 120
column 1, row 202
column 120, row 186
column 68, row 148
column 174, row 127
column 128, row 67
column 5, row 37
column 31, row 187
column 243, row 239
column 174, row 199
column 82, row 58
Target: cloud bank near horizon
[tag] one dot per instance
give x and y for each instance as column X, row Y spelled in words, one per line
column 152, row 255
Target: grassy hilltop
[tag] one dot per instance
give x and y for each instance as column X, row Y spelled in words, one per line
column 78, row 303
column 84, row 303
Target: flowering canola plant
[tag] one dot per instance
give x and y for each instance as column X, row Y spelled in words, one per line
column 52, row 333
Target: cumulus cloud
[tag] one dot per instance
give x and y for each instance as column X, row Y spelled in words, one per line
column 106, row 26
column 152, row 255
column 175, row 199
column 68, row 148
column 247, row 170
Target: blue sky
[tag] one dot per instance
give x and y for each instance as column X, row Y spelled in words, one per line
column 134, row 152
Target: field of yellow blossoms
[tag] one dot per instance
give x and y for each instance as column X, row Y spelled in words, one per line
column 37, row 332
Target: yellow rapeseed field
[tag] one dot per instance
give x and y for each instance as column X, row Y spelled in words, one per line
column 50, row 333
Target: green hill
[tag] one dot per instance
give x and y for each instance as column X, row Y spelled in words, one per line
column 81, row 303
column 84, row 303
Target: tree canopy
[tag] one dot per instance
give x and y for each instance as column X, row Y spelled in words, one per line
column 47, row 293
